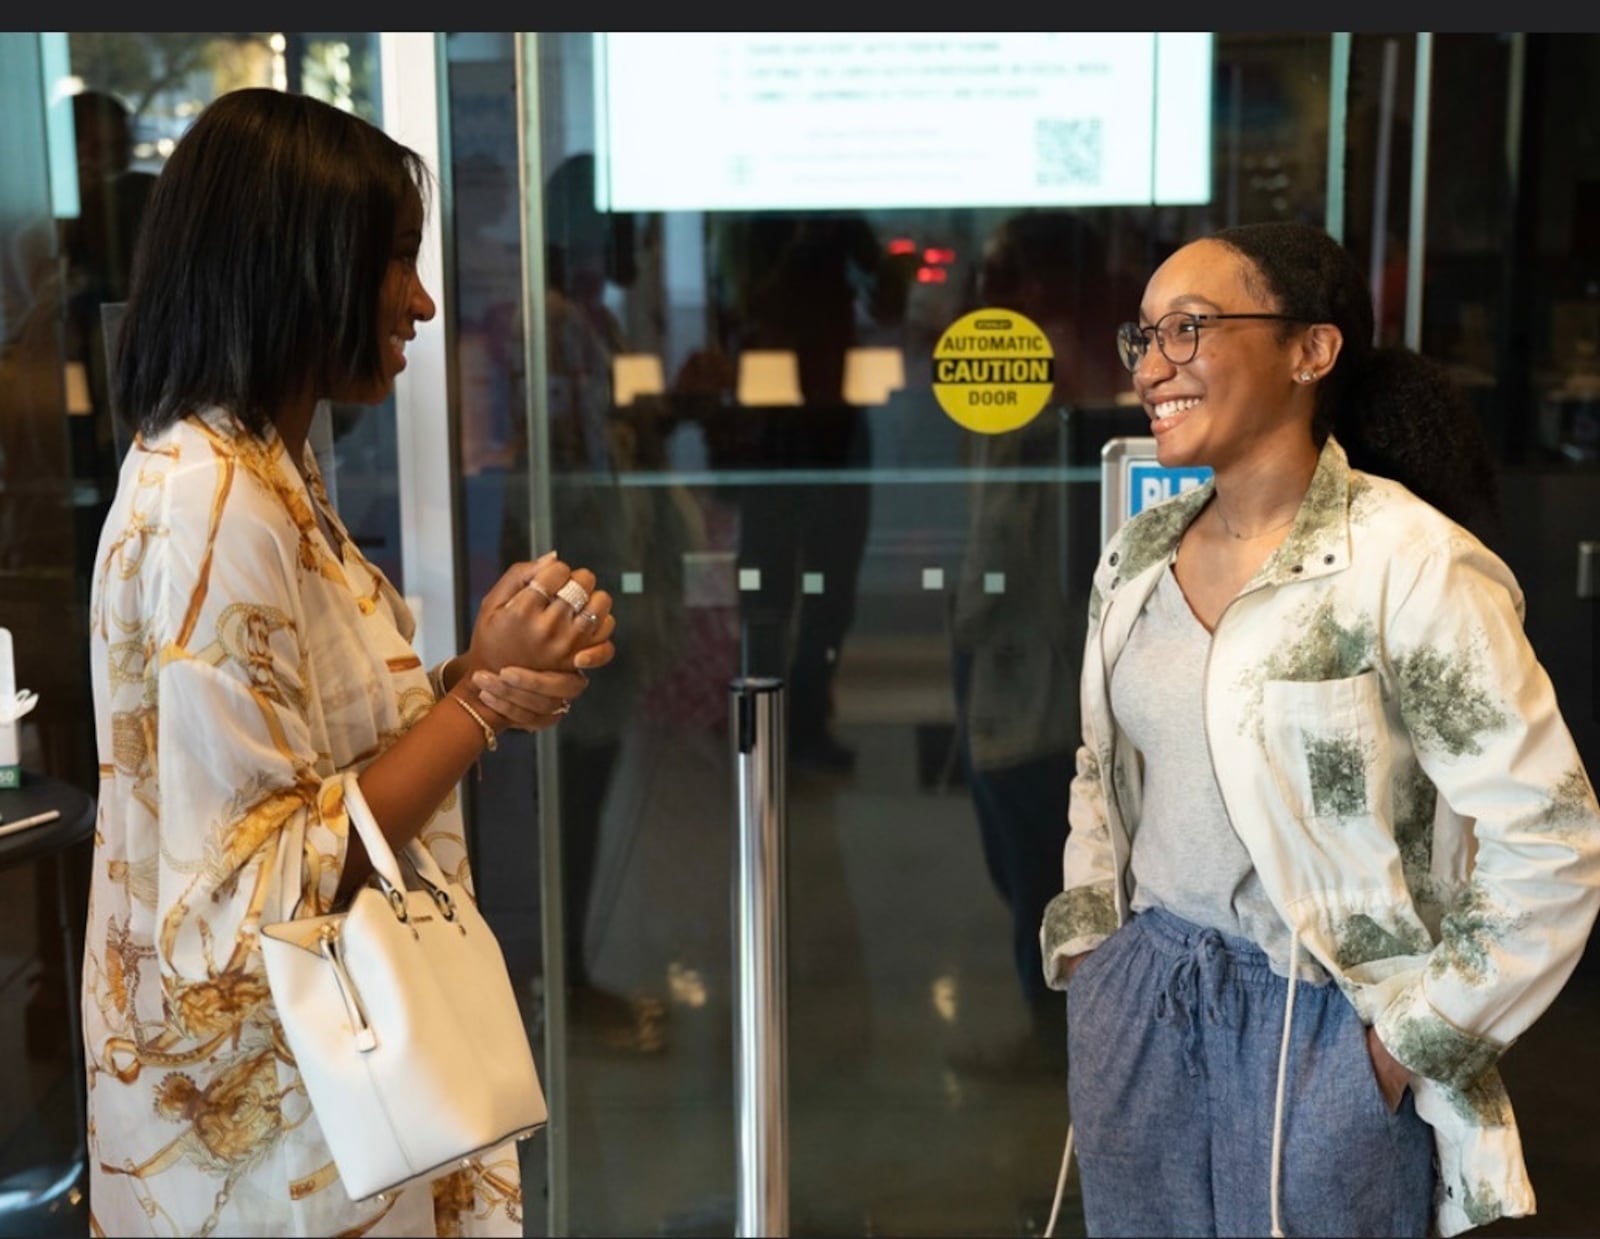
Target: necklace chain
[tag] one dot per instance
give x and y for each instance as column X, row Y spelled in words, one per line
column 1250, row 537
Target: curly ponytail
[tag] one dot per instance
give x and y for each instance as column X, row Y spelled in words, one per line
column 1404, row 417
column 1396, row 413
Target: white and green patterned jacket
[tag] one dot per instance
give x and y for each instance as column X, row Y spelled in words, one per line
column 1393, row 757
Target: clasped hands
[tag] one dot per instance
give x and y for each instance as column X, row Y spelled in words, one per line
column 539, row 630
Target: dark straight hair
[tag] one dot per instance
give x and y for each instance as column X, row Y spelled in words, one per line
column 261, row 259
column 1396, row 413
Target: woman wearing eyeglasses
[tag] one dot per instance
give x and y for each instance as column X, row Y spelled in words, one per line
column 1333, row 849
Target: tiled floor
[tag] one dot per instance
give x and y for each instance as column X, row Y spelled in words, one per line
column 897, row 961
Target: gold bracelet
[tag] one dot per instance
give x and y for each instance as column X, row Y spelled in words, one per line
column 489, row 740
column 436, row 676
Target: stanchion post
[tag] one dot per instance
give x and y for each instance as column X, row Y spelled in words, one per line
column 761, row 1088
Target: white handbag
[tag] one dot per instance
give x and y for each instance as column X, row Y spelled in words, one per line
column 401, row 1017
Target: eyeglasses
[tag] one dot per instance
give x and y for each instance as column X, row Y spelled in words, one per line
column 1177, row 335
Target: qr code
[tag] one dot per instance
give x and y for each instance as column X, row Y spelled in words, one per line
column 1070, row 151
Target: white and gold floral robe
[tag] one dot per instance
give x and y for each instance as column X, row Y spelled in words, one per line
column 240, row 663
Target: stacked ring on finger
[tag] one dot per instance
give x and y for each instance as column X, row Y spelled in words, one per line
column 541, row 591
column 574, row 595
column 591, row 617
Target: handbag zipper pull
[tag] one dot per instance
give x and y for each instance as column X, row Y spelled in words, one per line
column 329, row 943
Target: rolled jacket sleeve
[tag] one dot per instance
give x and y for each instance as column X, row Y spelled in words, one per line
column 1488, row 732
column 1084, row 914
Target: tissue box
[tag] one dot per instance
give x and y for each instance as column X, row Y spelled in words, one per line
column 10, row 771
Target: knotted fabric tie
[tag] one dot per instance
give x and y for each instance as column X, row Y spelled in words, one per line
column 1194, row 991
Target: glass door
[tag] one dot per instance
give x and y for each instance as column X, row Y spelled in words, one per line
column 754, row 249
column 712, row 378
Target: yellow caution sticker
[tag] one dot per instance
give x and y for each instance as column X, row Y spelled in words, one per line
column 993, row 370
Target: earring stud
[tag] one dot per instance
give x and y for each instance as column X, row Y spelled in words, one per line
column 1306, row 376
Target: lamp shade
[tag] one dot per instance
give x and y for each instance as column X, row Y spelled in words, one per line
column 872, row 374
column 636, row 374
column 769, row 377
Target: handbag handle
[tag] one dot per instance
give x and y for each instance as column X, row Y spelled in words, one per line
column 384, row 862
column 379, row 852
column 285, row 894
column 425, row 867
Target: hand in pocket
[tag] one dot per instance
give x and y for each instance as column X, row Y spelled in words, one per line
column 1393, row 1079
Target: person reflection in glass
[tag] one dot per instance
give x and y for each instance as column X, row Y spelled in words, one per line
column 587, row 254
column 1015, row 654
column 799, row 283
column 97, row 249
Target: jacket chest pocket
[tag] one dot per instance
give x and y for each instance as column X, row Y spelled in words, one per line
column 1326, row 741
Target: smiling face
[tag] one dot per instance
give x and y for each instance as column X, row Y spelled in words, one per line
column 1240, row 394
column 403, row 302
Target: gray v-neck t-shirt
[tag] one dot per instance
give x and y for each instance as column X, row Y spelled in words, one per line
column 1186, row 857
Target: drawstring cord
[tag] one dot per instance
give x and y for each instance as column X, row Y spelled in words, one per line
column 1283, row 1064
column 1192, row 993
column 1183, row 993
column 1182, row 978
column 1061, row 1186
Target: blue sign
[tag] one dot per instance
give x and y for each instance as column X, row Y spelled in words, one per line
column 1150, row 483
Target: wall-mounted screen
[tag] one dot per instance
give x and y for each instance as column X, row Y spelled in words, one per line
column 749, row 122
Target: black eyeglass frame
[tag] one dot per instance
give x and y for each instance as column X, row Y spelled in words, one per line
column 1133, row 341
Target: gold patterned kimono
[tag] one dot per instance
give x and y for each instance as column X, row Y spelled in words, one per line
column 240, row 664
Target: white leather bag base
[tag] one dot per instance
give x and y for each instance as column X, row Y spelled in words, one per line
column 402, row 1020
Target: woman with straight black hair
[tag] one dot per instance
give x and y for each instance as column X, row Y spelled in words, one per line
column 245, row 657
column 1333, row 849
